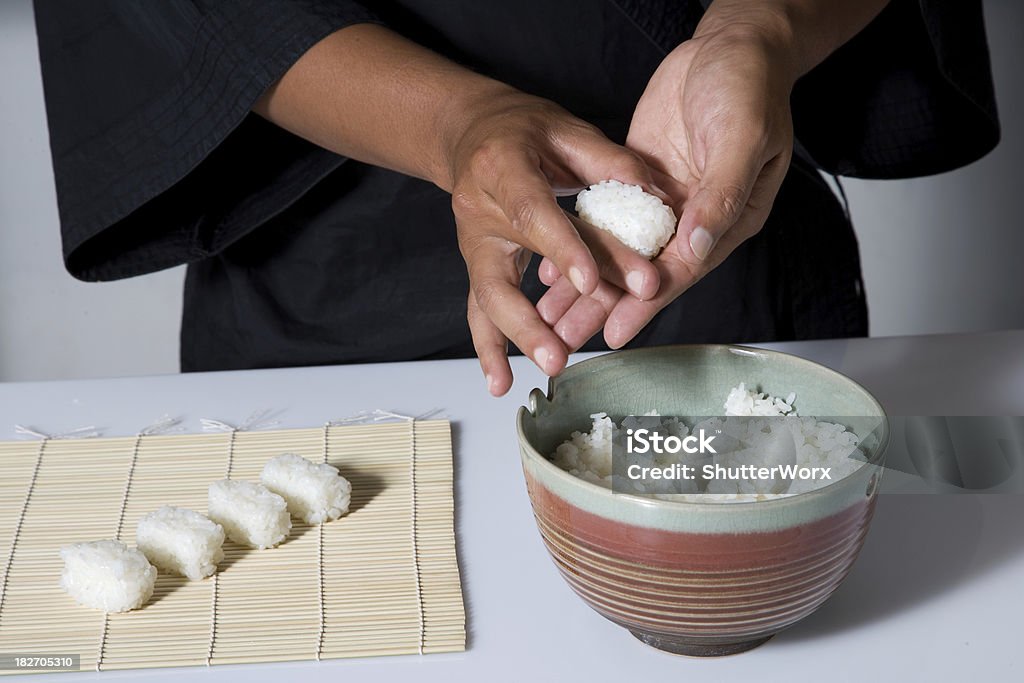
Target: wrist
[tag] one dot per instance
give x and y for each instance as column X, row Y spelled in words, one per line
column 458, row 123
column 758, row 35
column 801, row 33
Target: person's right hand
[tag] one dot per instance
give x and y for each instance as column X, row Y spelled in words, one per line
column 509, row 158
column 715, row 119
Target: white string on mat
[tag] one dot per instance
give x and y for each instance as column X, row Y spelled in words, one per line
column 44, row 438
column 322, row 626
column 80, row 433
column 163, row 425
column 378, row 415
column 213, row 619
column 19, row 523
column 259, row 419
column 415, row 540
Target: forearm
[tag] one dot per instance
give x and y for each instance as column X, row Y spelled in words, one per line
column 371, row 95
column 803, row 32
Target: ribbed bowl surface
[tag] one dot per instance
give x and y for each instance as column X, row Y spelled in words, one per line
column 700, row 589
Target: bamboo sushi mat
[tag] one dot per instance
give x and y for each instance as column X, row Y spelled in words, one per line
column 382, row 580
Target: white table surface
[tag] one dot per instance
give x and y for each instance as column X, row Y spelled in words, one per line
column 936, row 595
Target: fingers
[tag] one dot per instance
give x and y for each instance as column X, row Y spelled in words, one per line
column 730, row 171
column 618, row 264
column 524, row 195
column 591, row 157
column 631, row 315
column 559, row 298
column 576, row 318
column 491, row 348
column 513, row 314
column 505, row 177
column 733, row 218
column 494, row 276
column 587, row 315
column 547, row 273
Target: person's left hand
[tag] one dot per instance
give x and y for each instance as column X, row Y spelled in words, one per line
column 715, row 117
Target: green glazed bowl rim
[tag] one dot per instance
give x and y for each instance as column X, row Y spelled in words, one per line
column 536, row 395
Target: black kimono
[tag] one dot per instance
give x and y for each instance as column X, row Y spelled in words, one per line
column 298, row 256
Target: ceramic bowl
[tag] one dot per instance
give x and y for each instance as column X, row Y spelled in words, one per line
column 700, row 579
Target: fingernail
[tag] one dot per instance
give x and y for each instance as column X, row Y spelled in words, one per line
column 490, row 383
column 576, row 278
column 610, row 335
column 542, row 356
column 635, row 282
column 701, row 242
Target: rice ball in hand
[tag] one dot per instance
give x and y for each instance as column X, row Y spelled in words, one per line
column 639, row 220
column 250, row 514
column 314, row 493
column 181, row 541
column 107, row 575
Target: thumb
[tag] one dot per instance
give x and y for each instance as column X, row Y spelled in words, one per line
column 719, row 202
column 591, row 158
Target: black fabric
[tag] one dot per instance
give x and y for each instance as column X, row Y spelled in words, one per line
column 142, row 99
column 911, row 95
column 301, row 257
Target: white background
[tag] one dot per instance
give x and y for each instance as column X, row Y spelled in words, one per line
column 940, row 254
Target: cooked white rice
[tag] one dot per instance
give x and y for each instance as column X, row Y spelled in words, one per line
column 802, row 441
column 181, row 541
column 107, row 575
column 250, row 514
column 314, row 493
column 743, row 403
column 638, row 219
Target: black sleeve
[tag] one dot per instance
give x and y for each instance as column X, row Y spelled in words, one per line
column 911, row 95
column 157, row 159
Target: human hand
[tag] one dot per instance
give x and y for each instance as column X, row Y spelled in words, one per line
column 715, row 117
column 508, row 160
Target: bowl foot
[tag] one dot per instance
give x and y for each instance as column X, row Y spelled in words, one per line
column 681, row 646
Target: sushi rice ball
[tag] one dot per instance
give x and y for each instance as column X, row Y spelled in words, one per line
column 250, row 514
column 181, row 541
column 314, row 493
column 107, row 575
column 637, row 219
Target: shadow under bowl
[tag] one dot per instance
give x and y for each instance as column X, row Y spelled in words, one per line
column 699, row 579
